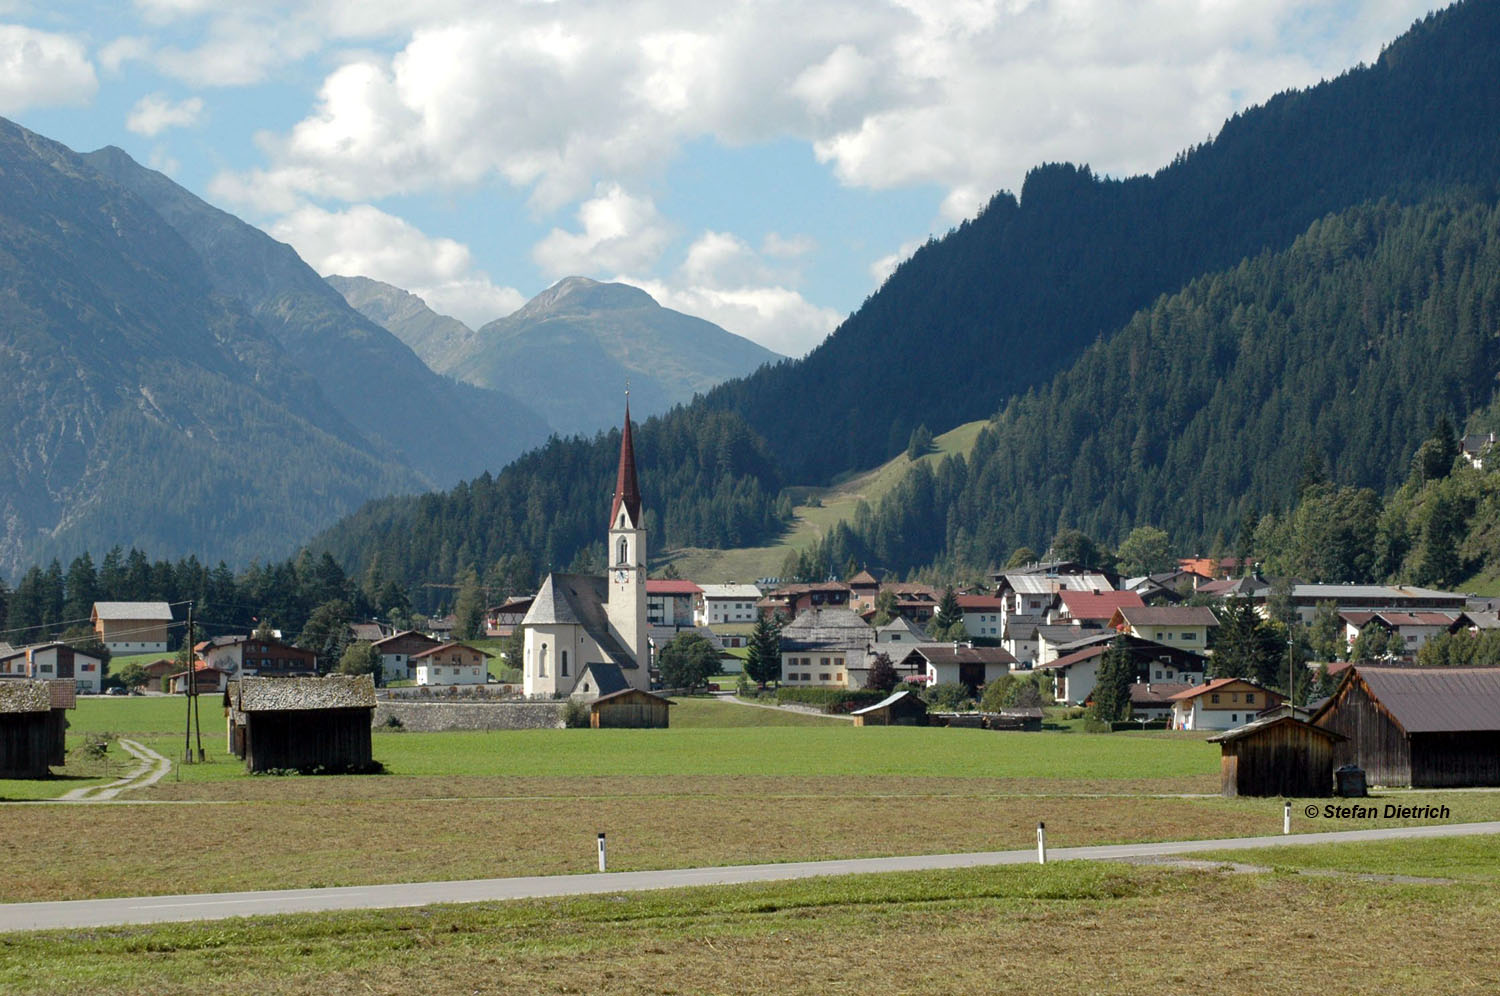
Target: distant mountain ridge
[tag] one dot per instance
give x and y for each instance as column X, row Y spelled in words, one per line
column 571, row 349
column 443, row 429
column 178, row 381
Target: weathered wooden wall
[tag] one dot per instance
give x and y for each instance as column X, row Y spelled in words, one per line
column 331, row 739
column 26, row 744
column 1447, row 760
column 1284, row 760
column 1375, row 742
column 644, row 713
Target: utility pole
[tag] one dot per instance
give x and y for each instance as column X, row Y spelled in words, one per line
column 187, row 736
column 193, row 663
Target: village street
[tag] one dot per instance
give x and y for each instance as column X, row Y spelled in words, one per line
column 214, row 906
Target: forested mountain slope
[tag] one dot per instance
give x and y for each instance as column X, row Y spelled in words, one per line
column 1016, row 294
column 1336, row 356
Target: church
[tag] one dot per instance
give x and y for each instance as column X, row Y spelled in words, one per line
column 586, row 636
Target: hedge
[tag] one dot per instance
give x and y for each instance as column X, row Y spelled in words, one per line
column 833, row 700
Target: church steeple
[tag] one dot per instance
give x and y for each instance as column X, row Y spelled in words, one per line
column 627, row 491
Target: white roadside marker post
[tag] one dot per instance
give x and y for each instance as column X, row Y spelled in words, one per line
column 601, row 852
column 1286, row 818
column 1041, row 843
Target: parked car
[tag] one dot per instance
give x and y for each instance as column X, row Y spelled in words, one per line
column 117, row 690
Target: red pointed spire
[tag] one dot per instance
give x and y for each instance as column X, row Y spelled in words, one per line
column 627, row 491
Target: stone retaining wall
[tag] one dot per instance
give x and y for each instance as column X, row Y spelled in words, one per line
column 436, row 717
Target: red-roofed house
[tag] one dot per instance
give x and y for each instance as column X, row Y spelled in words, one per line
column 670, row 602
column 1221, row 704
column 1091, row 608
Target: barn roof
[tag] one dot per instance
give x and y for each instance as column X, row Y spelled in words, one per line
column 1251, row 729
column 19, row 696
column 630, row 691
column 134, row 611
column 889, row 700
column 1433, row 699
column 334, row 691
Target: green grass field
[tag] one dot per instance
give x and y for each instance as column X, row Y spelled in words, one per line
column 816, row 510
column 1074, row 929
column 717, row 788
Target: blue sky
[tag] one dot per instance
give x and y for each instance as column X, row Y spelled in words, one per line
column 763, row 165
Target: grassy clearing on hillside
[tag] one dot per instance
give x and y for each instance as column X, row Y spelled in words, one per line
column 1070, row 928
column 816, row 510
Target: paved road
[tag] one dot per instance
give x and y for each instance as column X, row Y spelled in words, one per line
column 214, row 906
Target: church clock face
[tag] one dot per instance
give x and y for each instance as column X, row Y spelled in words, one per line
column 622, row 576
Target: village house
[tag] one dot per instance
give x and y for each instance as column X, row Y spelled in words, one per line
column 451, row 664
column 1091, row 608
column 1076, row 673
column 984, row 615
column 900, row 630
column 1152, row 700
column 1221, row 704
column 726, row 604
column 826, row 646
column 579, row 621
column 864, row 588
column 1305, row 599
column 132, row 627
column 397, row 651
column 1420, row 727
column 49, row 661
column 1174, row 625
column 502, row 620
column 1020, row 637
column 669, row 603
column 252, row 656
column 368, row 632
column 1414, row 628
column 791, row 600
column 917, row 603
column 955, row 664
column 1475, row 447
column 201, row 680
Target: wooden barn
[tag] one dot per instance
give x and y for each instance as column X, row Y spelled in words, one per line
column 33, row 726
column 302, row 724
column 1436, row 727
column 630, row 709
column 903, row 708
column 1278, row 756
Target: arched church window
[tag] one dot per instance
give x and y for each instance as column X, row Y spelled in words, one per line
column 624, row 551
column 563, row 663
column 541, row 662
column 622, row 520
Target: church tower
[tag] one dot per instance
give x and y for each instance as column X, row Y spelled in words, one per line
column 626, row 563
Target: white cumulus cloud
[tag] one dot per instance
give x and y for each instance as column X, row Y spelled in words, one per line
column 618, row 232
column 365, row 241
column 154, row 114
column 42, row 69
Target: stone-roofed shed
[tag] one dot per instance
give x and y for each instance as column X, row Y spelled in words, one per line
column 32, row 726
column 302, row 724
